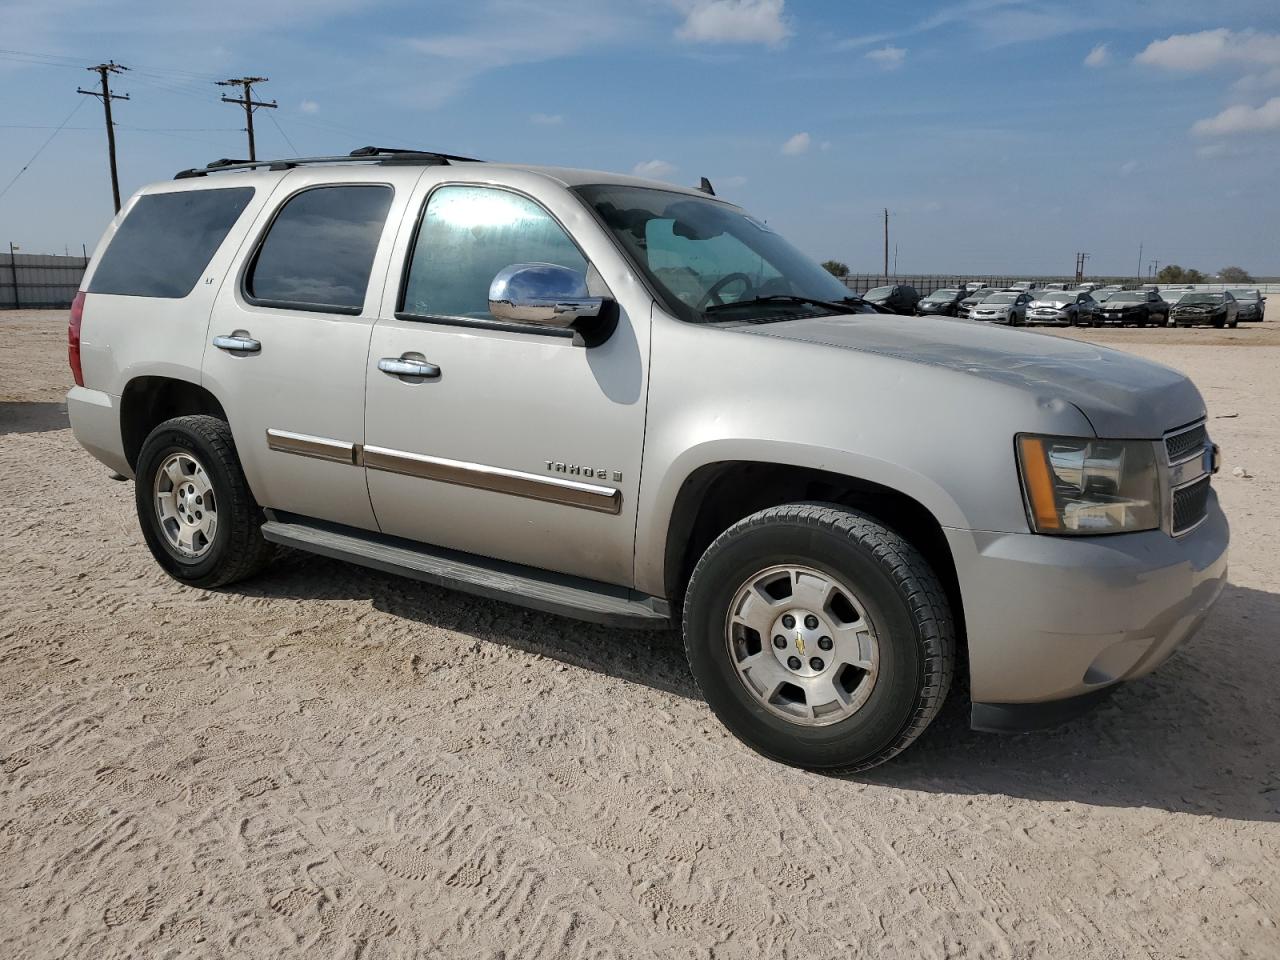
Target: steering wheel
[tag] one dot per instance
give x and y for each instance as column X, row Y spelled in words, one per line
column 714, row 292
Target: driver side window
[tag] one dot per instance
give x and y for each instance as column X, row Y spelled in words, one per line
column 466, row 236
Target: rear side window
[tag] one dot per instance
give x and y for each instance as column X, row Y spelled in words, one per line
column 166, row 241
column 319, row 250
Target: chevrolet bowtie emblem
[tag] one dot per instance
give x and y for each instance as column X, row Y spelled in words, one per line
column 800, row 643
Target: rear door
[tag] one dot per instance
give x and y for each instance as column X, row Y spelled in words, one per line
column 289, row 337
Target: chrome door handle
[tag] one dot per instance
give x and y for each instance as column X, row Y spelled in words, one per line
column 402, row 367
column 237, row 343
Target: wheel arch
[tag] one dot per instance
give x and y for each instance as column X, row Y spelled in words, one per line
column 717, row 495
column 148, row 401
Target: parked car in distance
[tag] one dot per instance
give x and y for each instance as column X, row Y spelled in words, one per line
column 1090, row 286
column 1005, row 306
column 1252, row 304
column 945, row 302
column 1024, row 286
column 556, row 388
column 1138, row 307
column 972, row 299
column 894, row 298
column 1055, row 286
column 1102, row 294
column 1068, row 307
column 1218, row 308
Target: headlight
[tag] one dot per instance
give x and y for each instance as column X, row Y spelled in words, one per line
column 1075, row 486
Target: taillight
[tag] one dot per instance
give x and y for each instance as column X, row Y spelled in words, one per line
column 73, row 337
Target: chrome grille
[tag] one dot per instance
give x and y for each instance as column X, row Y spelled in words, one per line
column 1187, row 444
column 1190, row 504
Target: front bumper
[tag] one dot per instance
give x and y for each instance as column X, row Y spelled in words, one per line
column 1048, row 316
column 1054, row 618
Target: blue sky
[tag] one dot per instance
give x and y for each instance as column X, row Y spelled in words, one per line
column 1002, row 135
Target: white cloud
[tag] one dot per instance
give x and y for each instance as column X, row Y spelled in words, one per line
column 546, row 119
column 309, row 106
column 1129, row 168
column 733, row 21
column 654, row 169
column 1253, row 82
column 796, row 145
column 1194, row 52
column 1241, row 119
column 1099, row 56
column 889, row 57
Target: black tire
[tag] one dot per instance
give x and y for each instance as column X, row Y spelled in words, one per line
column 904, row 601
column 237, row 549
column 1219, row 324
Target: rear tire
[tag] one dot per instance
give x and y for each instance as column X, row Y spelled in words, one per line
column 188, row 465
column 842, row 701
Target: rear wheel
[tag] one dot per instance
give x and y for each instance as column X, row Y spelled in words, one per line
column 819, row 637
column 198, row 517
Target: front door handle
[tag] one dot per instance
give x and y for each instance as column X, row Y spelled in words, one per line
column 408, row 367
column 238, row 342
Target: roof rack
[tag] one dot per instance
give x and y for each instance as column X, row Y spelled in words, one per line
column 387, row 156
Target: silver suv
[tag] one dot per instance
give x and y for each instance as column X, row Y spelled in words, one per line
column 636, row 404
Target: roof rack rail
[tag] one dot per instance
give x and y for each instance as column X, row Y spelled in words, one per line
column 382, row 155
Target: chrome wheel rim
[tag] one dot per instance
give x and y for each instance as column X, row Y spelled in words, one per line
column 185, row 505
column 802, row 644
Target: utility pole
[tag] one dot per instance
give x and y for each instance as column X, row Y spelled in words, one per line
column 1080, row 259
column 1139, row 274
column 1155, row 268
column 886, row 243
column 105, row 70
column 247, row 101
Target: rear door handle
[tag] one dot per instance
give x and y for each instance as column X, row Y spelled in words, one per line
column 237, row 343
column 408, row 367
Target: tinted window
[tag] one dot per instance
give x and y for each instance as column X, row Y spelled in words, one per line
column 469, row 234
column 166, row 241
column 319, row 250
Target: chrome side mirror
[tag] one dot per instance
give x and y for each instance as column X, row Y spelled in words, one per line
column 542, row 293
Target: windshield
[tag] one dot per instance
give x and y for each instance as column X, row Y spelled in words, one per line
column 1129, row 296
column 1245, row 294
column 1002, row 298
column 1203, row 298
column 703, row 254
column 878, row 293
column 943, row 295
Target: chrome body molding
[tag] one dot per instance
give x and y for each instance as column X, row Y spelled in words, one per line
column 572, row 493
column 320, row 448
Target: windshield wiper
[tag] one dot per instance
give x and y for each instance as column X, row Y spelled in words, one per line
column 839, row 306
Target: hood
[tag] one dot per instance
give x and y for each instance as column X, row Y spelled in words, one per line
column 1049, row 304
column 1122, row 395
column 995, row 307
column 1122, row 304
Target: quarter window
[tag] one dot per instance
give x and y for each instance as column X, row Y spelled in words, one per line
column 166, row 241
column 467, row 235
column 318, row 252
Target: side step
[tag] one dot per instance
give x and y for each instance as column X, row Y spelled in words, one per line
column 525, row 586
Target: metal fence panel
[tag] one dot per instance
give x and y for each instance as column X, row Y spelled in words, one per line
column 43, row 281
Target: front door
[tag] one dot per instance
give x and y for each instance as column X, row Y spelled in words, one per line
column 289, row 337
column 520, row 443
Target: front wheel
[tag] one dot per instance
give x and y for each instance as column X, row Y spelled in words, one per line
column 198, row 516
column 819, row 637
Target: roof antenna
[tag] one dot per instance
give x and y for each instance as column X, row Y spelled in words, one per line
column 705, row 187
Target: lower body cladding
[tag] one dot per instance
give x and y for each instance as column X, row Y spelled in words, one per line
column 1054, row 622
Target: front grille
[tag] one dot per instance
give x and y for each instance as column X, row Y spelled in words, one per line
column 1183, row 446
column 1190, row 504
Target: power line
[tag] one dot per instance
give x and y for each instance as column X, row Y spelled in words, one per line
column 49, row 140
column 104, row 70
column 249, row 104
column 272, row 118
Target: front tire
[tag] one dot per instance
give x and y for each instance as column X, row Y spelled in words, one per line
column 867, row 638
column 197, row 514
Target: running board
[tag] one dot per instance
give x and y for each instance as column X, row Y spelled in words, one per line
column 495, row 579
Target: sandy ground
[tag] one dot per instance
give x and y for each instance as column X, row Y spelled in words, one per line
column 328, row 762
